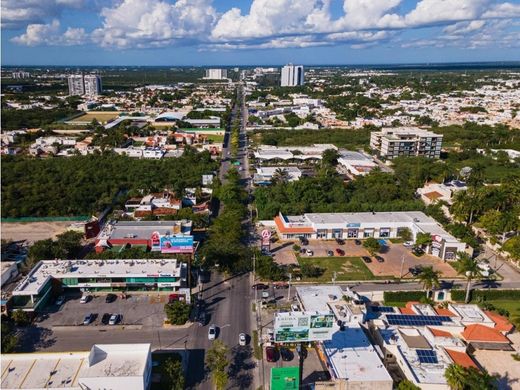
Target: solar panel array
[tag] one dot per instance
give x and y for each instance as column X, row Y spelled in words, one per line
column 427, row 356
column 416, row 320
column 383, row 309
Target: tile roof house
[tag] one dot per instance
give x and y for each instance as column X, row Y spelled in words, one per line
column 483, row 337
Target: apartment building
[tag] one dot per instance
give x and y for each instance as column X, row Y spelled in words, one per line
column 89, row 85
column 292, row 75
column 406, row 141
column 216, row 74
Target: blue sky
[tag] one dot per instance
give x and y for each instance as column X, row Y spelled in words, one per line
column 247, row 32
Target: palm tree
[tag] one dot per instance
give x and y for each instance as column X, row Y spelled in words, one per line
column 456, row 376
column 429, row 279
column 280, row 176
column 468, row 267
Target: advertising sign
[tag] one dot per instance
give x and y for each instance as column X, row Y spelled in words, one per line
column 353, row 225
column 176, row 244
column 303, row 327
column 155, row 242
column 266, row 237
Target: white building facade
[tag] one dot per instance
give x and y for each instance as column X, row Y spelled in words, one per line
column 292, row 75
column 406, row 141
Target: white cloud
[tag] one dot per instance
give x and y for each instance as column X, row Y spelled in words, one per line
column 50, row 34
column 154, row 23
column 464, row 27
column 428, row 12
column 503, row 10
column 19, row 13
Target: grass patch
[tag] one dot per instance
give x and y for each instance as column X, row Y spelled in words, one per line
column 346, row 268
column 395, row 304
column 215, row 138
column 512, row 306
column 257, row 349
column 101, row 116
column 396, row 240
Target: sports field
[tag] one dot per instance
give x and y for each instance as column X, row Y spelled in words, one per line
column 101, row 117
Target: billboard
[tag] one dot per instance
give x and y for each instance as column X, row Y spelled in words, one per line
column 176, row 244
column 303, row 327
column 285, row 378
column 155, row 242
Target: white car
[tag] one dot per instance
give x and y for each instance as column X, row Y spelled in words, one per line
column 114, row 319
column 212, row 332
column 309, row 252
column 265, row 294
column 84, row 299
column 409, row 244
column 242, row 340
column 295, row 307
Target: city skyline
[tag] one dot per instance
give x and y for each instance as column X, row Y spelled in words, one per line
column 205, row 32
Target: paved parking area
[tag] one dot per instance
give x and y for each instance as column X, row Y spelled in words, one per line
column 145, row 310
column 502, row 364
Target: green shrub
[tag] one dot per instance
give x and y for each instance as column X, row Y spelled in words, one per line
column 486, row 295
column 403, row 296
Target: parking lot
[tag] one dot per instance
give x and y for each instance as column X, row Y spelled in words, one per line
column 393, row 255
column 136, row 310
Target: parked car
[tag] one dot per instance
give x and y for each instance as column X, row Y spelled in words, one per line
column 330, row 253
column 110, row 298
column 212, row 332
column 309, row 252
column 304, row 241
column 202, row 318
column 278, row 285
column 416, row 270
column 85, row 299
column 339, row 241
column 295, row 307
column 105, row 319
column 259, row 286
column 60, row 300
column 357, row 242
column 340, row 252
column 265, row 294
column 417, row 251
column 271, row 354
column 242, row 339
column 286, row 354
column 379, row 259
column 366, row 259
column 408, row 244
column 114, row 319
column 88, row 318
column 301, row 351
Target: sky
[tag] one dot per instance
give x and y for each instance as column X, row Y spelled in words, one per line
column 256, row 32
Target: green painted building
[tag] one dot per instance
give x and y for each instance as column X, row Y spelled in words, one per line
column 285, row 378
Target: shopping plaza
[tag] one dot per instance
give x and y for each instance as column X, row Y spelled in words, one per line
column 329, row 226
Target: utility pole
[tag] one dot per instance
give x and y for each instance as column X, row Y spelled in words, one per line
column 402, row 265
column 289, row 291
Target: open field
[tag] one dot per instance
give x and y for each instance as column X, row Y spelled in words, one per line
column 33, row 231
column 346, row 268
column 215, row 138
column 101, row 116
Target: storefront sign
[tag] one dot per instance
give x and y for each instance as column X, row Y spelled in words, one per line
column 177, row 244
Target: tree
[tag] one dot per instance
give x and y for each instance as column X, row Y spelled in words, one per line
column 462, row 378
column 407, row 385
column 469, row 268
column 423, row 239
column 217, row 362
column 174, row 373
column 513, row 247
column 280, row 175
column 20, row 317
column 9, row 338
column 372, row 245
column 177, row 312
column 405, row 234
column 429, row 279
column 311, row 271
column 455, row 376
column 330, row 157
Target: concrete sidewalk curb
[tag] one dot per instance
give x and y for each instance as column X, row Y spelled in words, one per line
column 98, row 328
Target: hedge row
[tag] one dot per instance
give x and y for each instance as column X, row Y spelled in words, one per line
column 403, row 296
column 485, row 295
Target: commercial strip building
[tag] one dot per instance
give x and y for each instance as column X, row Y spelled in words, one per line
column 267, row 153
column 292, row 75
column 156, row 236
column 356, row 163
column 49, row 277
column 406, row 141
column 105, row 366
column 328, row 226
column 264, row 175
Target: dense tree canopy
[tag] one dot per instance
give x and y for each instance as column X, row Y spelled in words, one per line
column 82, row 185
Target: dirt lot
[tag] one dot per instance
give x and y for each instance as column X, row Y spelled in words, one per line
column 503, row 364
column 33, row 231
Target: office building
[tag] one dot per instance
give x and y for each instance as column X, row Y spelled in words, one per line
column 157, row 275
column 216, row 74
column 89, row 85
column 105, row 366
column 329, row 226
column 292, row 75
column 406, row 141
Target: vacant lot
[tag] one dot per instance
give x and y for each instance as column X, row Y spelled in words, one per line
column 101, row 117
column 346, row 268
column 33, row 231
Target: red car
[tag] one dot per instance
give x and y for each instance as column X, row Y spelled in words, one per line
column 271, row 354
column 340, row 252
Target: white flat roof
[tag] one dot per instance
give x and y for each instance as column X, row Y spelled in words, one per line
column 60, row 269
column 354, row 358
column 67, row 369
column 469, row 313
column 315, row 298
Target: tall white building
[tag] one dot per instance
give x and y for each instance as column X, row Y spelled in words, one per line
column 216, row 74
column 292, row 75
column 80, row 85
column 92, row 84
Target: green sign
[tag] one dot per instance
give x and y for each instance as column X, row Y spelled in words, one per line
column 285, row 378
